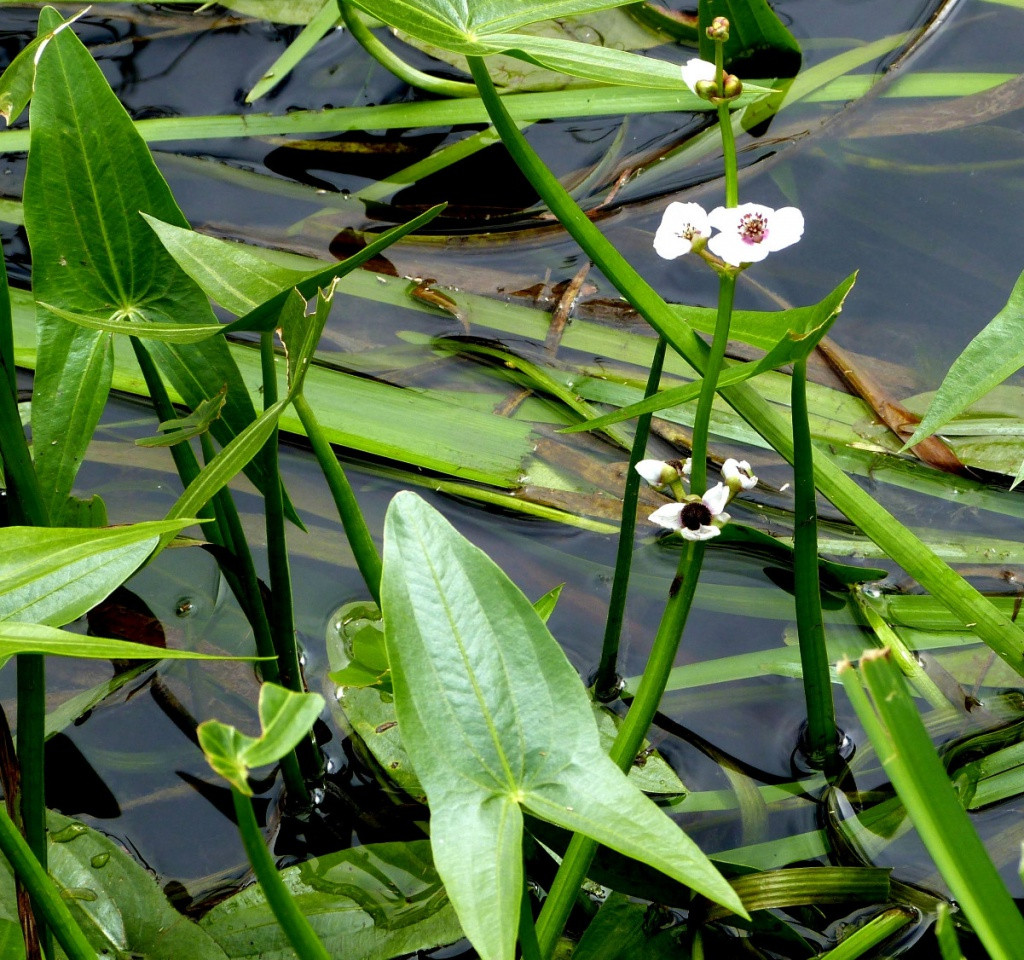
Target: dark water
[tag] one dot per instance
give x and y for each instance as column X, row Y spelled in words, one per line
column 931, row 219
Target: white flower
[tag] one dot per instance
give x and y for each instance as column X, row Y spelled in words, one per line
column 696, row 519
column 751, row 231
column 696, row 71
column 657, row 472
column 738, row 476
column 681, row 224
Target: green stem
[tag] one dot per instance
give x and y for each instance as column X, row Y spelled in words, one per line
column 363, row 548
column 31, row 683
column 296, row 927
column 822, row 736
column 528, row 947
column 227, row 532
column 46, row 900
column 282, row 611
column 702, row 419
column 869, row 936
column 902, row 546
column 606, row 680
column 732, row 190
column 396, row 65
column 628, row 741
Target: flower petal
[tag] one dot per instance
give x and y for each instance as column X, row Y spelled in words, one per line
column 716, row 498
column 734, row 251
column 696, row 70
column 701, row 533
column 680, row 223
column 669, row 516
column 653, row 471
column 786, row 226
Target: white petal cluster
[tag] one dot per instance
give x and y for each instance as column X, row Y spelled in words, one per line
column 697, row 518
column 747, row 233
column 697, row 71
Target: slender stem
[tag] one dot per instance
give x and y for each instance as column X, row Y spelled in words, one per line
column 296, row 927
column 359, row 538
column 282, row 613
column 702, row 420
column 869, row 936
column 396, row 65
column 46, row 900
column 822, row 736
column 281, row 607
column 31, row 682
column 729, row 156
column 227, row 531
column 606, row 680
column 628, row 741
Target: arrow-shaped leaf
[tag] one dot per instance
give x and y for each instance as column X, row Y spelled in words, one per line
column 497, row 722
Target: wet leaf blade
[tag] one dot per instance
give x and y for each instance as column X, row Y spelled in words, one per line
column 395, row 885
column 917, row 773
column 53, row 575
column 38, row 638
column 992, row 356
column 471, row 658
column 89, row 176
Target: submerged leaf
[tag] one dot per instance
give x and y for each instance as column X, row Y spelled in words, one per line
column 372, row 902
column 497, row 722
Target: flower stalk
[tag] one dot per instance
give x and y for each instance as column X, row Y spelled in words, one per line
column 606, row 680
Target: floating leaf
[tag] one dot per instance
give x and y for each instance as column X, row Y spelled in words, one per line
column 481, row 687
column 285, row 718
column 372, row 902
column 116, row 902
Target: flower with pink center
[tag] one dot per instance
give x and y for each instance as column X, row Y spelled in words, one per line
column 681, row 225
column 751, row 231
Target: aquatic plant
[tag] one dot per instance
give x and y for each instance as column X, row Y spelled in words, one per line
column 487, row 722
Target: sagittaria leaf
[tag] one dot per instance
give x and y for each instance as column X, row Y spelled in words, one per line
column 285, row 718
column 89, row 175
column 497, row 723
column 992, row 356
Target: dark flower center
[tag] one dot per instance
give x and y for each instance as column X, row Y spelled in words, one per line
column 753, row 228
column 695, row 515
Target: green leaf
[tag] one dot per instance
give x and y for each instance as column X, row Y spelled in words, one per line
column 803, row 328
column 909, row 758
column 52, row 576
column 466, row 27
column 372, row 902
column 89, row 174
column 992, row 356
column 187, row 427
column 545, row 606
column 19, row 77
column 117, row 903
column 16, row 637
column 242, row 281
column 311, row 34
column 285, row 718
column 480, row 688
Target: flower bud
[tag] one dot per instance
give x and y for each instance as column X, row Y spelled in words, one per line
column 706, row 89
column 738, row 476
column 719, row 29
column 733, row 86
